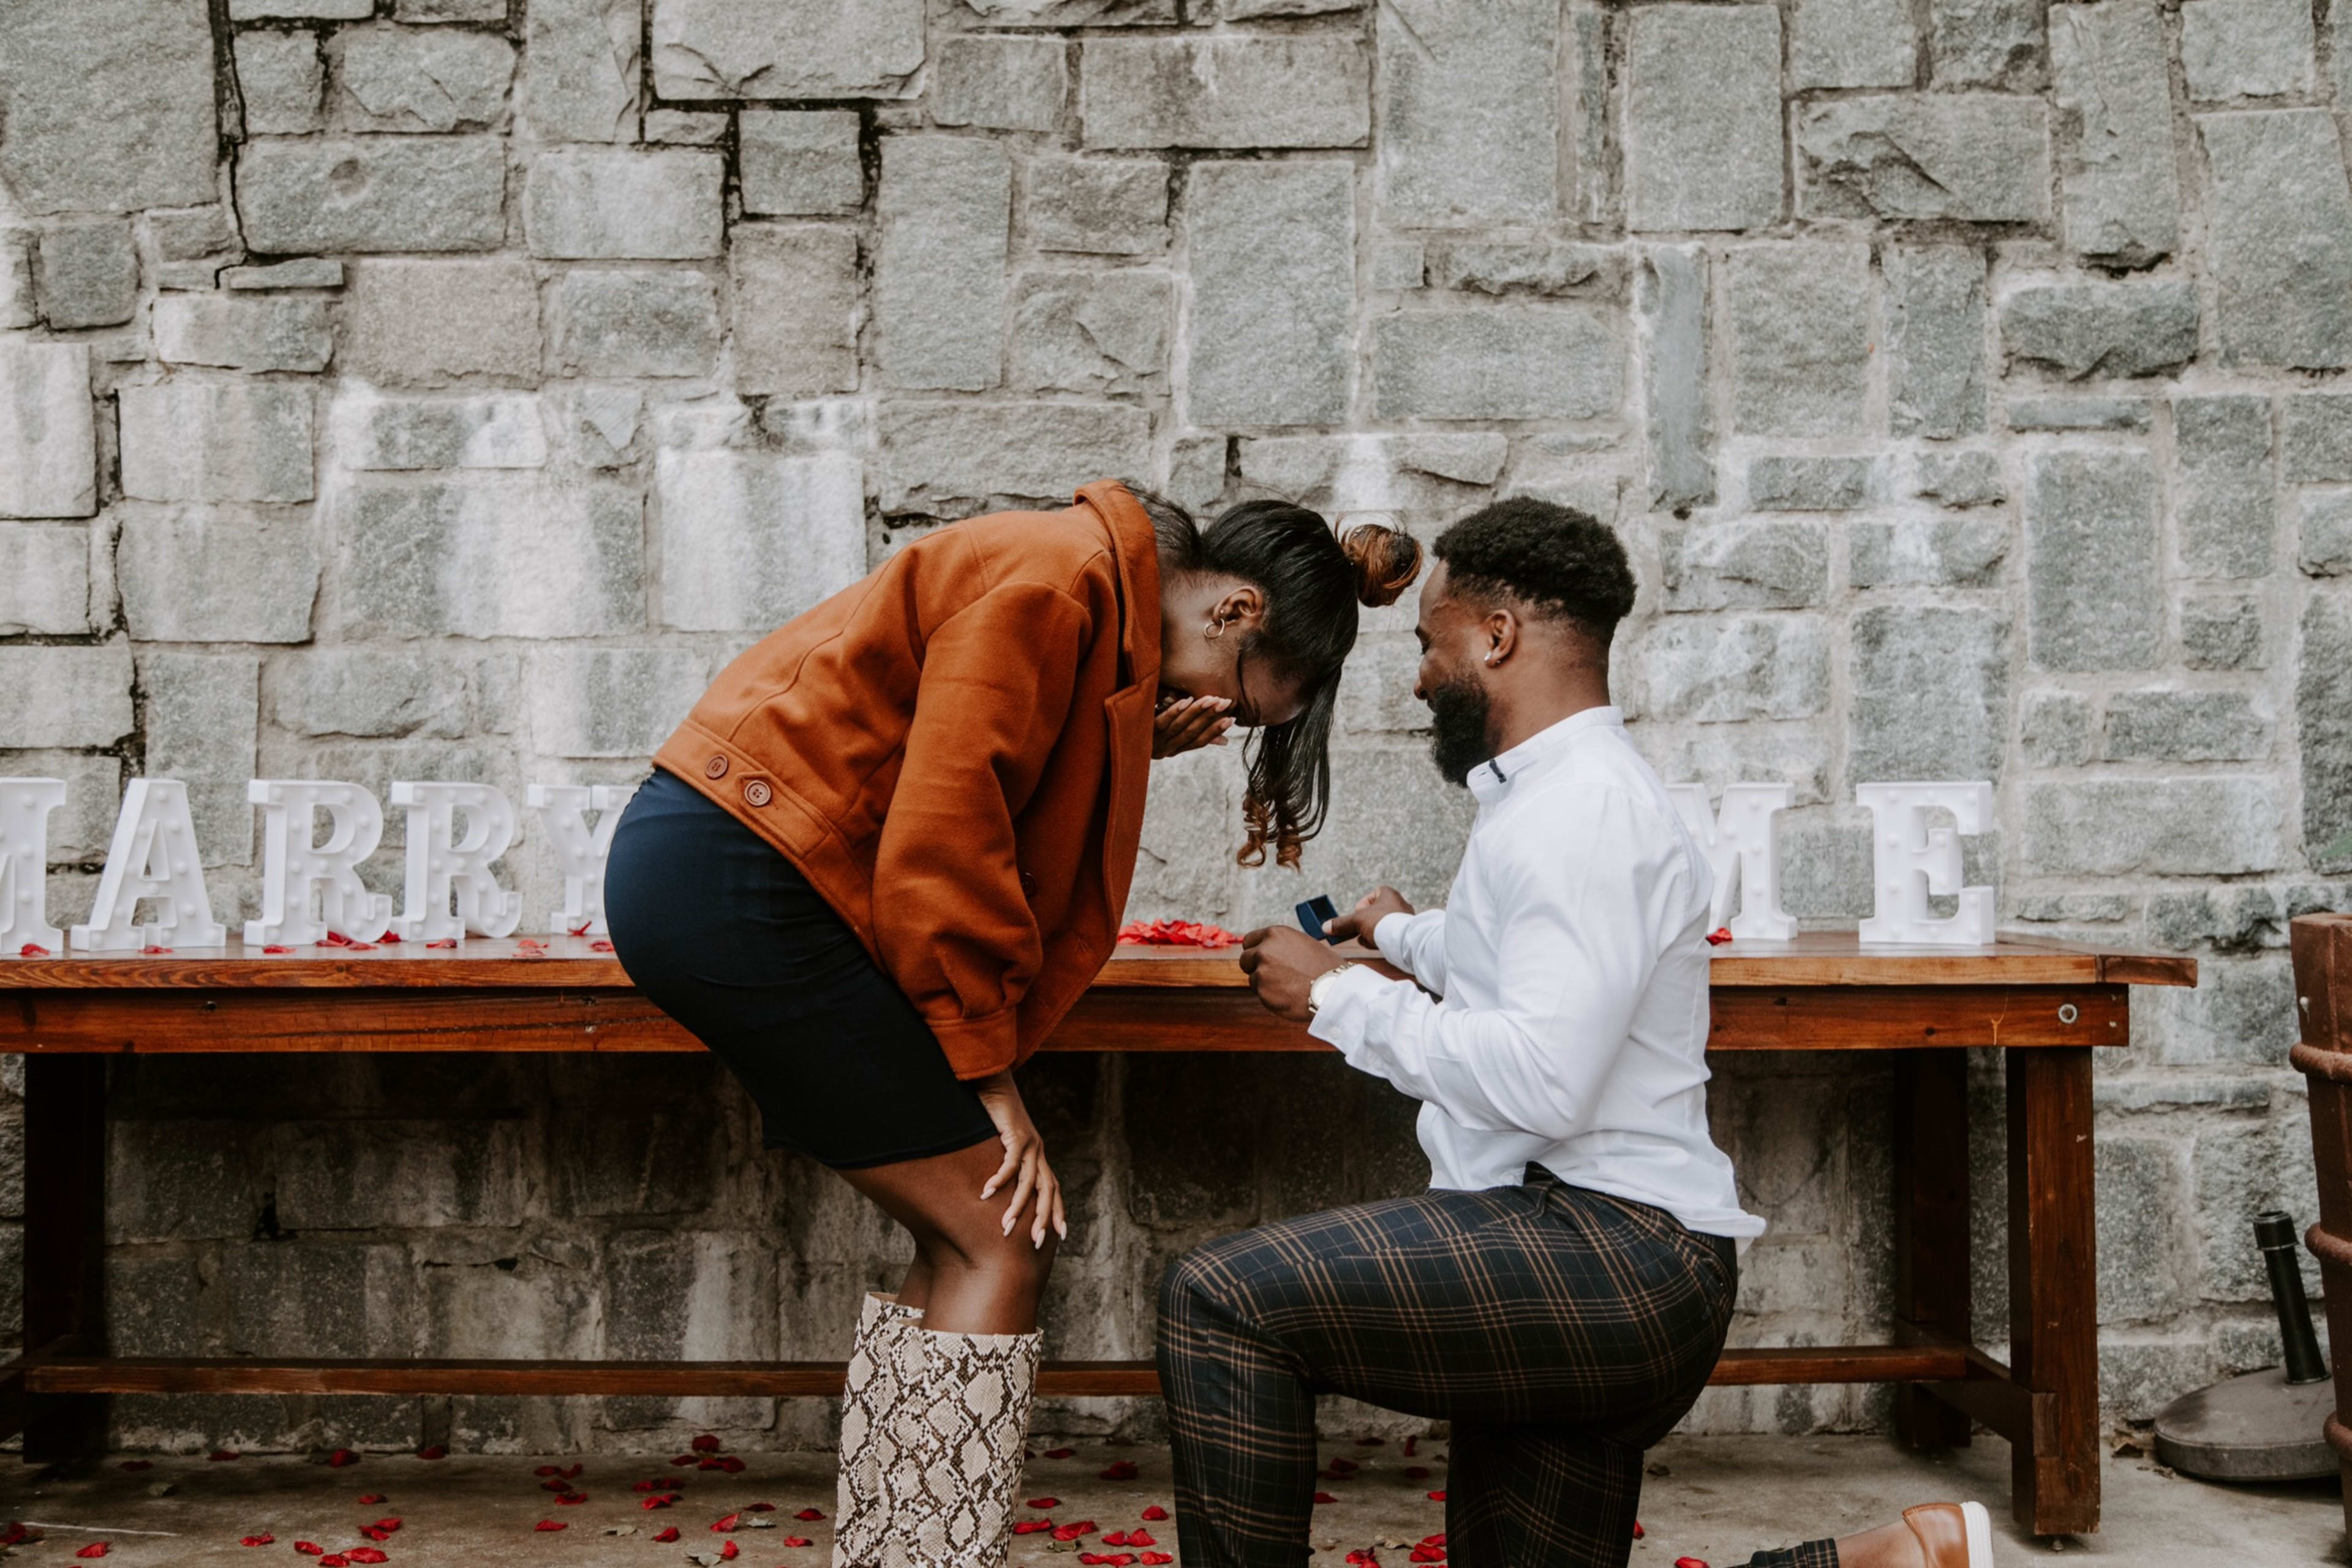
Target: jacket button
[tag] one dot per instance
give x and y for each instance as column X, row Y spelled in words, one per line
column 757, row 793
column 716, row 767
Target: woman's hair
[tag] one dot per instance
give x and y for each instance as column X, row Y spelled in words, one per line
column 1313, row 581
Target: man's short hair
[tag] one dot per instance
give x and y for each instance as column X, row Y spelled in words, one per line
column 1554, row 561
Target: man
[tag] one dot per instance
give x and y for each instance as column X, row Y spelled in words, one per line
column 1562, row 1291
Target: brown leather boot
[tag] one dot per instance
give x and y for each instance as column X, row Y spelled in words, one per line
column 1952, row 1534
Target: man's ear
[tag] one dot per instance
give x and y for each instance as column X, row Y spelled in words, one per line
column 1499, row 632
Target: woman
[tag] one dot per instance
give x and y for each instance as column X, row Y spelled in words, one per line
column 889, row 848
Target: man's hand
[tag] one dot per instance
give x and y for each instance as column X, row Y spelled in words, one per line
column 1365, row 918
column 1188, row 724
column 1282, row 961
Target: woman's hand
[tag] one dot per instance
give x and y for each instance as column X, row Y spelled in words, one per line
column 1369, row 912
column 1024, row 1160
column 1189, row 724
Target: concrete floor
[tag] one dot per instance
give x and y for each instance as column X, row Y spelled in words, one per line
column 1718, row 1499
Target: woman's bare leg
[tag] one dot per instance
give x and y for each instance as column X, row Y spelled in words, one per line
column 971, row 1277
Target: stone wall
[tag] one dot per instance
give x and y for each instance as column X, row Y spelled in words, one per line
column 446, row 388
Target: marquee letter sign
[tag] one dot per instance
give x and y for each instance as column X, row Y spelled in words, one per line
column 153, row 856
column 443, row 868
column 25, row 807
column 294, row 866
column 580, row 850
column 1741, row 851
column 1911, row 860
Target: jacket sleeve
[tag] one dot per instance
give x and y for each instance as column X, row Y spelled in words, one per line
column 951, row 920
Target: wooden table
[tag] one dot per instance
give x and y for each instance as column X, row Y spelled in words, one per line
column 2048, row 1003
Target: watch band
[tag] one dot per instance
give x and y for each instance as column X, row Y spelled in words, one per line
column 1314, row 987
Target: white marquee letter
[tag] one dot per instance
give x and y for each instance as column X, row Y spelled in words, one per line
column 153, row 856
column 25, row 807
column 443, row 869
column 579, row 849
column 294, row 865
column 1911, row 860
column 1741, row 851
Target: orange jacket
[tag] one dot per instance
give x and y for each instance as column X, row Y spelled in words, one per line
column 954, row 753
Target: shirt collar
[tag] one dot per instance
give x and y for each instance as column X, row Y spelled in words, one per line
column 1492, row 779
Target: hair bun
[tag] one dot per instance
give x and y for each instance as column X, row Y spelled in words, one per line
column 1386, row 560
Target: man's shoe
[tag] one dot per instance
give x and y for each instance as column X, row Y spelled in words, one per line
column 1952, row 1534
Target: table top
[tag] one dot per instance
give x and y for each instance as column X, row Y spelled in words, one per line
column 1816, row 959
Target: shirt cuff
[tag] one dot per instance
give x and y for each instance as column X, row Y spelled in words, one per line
column 1346, row 1015
column 1388, row 937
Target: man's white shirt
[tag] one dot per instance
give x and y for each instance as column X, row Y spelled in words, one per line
column 1568, row 1022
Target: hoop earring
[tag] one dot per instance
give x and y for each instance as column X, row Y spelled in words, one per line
column 1215, row 629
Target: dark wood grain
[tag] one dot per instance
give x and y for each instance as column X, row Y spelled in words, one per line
column 2054, row 1300
column 2322, row 950
column 1930, row 1158
column 65, row 1243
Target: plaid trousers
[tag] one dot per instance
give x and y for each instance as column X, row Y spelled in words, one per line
column 1561, row 1331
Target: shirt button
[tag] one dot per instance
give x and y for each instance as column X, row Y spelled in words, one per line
column 757, row 793
column 716, row 767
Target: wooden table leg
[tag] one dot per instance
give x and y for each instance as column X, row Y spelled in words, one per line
column 1931, row 1226
column 2054, row 1297
column 65, row 1237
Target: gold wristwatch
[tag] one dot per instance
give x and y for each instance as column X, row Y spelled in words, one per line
column 1314, row 987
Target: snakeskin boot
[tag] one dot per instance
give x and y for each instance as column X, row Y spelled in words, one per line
column 878, row 1365
column 948, row 1488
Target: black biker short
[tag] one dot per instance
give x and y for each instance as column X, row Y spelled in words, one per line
column 725, row 935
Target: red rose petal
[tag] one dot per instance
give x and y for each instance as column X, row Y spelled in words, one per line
column 95, row 1549
column 555, row 1484
column 1043, row 1502
column 435, row 1452
column 547, row 1470
column 1119, row 1470
column 683, row 1459
column 373, row 1533
column 600, row 945
column 275, row 947
column 154, row 949
column 1155, row 1558
column 728, row 1553
column 572, row 1500
column 1140, row 1538
column 1437, row 1497
column 32, row 950
column 309, row 1548
column 443, row 942
column 727, row 1523
column 731, row 1465
column 1427, row 1554
column 371, row 1497
column 581, row 929
column 390, row 937
column 808, row 1513
column 256, row 1541
column 1116, row 1538
column 334, row 939
column 220, row 1455
column 334, row 1560
column 1409, row 1445
column 798, row 1540
column 1059, row 1452
column 1719, row 936
column 365, row 1554
column 667, row 1536
column 340, row 1458
column 1155, row 1513
column 1031, row 1526
column 386, row 1525
column 1690, row 1562
column 572, row 1473
column 1324, row 1497
column 1073, row 1531
column 1637, row 1530
column 549, row 1524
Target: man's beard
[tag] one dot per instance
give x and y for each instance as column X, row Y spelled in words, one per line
column 1457, row 715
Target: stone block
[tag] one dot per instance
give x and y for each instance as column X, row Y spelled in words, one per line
column 952, row 457
column 1744, row 565
column 2279, row 238
column 633, row 322
column 2084, row 329
column 1519, row 267
column 49, row 437
column 1670, row 326
column 1935, row 331
column 2242, row 1169
column 1702, row 117
column 80, row 830
column 615, row 701
column 610, row 203
column 430, row 11
column 423, row 322
column 281, row 81
column 44, row 579
column 2245, row 918
column 286, row 332
column 1423, row 478
column 785, row 48
column 493, row 555
column 313, row 10
column 108, row 105
column 580, row 71
column 2246, row 48
column 203, row 574
column 2080, row 414
column 310, row 1297
column 1376, row 687
column 2093, row 572
column 1225, row 90
column 1852, row 43
column 494, row 431
column 1069, row 13
column 217, row 441
column 1960, row 479
column 1391, row 821
column 1102, row 207
column 1272, row 318
column 389, row 194
column 800, row 161
column 1800, row 323
column 1810, row 484
column 410, row 79
column 2199, row 826
column 1469, row 113
column 2056, row 727
column 1088, row 331
column 2315, row 437
column 795, row 307
column 1533, row 362
column 602, row 423
column 2326, row 545
column 17, row 308
column 1000, row 82
column 2118, row 176
column 193, row 234
column 64, row 696
column 685, row 128
column 1943, row 551
column 1724, row 670
column 1909, row 157
column 2158, row 725
column 86, row 274
column 2323, row 710
column 748, row 540
column 2222, row 632
column 1930, row 693
column 203, row 714
column 2142, row 1187
column 183, row 1180
column 1196, row 471
column 370, row 692
column 409, row 1175
column 2225, row 501
column 1986, row 43
column 945, row 209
